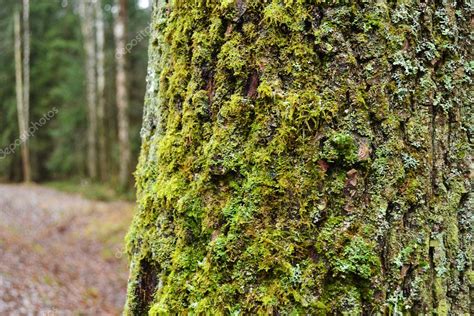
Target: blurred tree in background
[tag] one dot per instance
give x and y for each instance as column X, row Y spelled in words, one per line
column 58, row 148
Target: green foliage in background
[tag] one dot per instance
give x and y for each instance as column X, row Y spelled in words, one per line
column 8, row 117
column 57, row 74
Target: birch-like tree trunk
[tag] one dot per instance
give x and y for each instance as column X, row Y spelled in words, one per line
column 20, row 95
column 306, row 158
column 122, row 93
column 26, row 86
column 101, row 106
column 87, row 23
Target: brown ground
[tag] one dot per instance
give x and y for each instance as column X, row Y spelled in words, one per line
column 60, row 254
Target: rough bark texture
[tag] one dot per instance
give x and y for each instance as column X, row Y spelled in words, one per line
column 122, row 94
column 87, row 23
column 305, row 159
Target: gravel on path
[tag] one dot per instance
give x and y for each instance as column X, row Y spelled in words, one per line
column 61, row 254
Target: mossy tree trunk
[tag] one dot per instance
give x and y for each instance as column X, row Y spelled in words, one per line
column 303, row 158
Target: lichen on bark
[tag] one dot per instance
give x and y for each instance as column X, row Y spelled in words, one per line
column 301, row 157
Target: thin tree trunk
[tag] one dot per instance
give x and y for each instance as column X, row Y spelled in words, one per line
column 26, row 84
column 22, row 116
column 122, row 94
column 100, row 37
column 305, row 159
column 87, row 14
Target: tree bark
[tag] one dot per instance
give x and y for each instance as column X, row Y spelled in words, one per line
column 87, row 23
column 26, row 85
column 122, row 94
column 100, row 61
column 305, row 159
column 22, row 92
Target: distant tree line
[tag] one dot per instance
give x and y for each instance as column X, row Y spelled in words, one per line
column 74, row 57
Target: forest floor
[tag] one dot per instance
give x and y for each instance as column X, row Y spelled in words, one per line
column 60, row 253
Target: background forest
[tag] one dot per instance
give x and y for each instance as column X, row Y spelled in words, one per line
column 68, row 63
column 72, row 83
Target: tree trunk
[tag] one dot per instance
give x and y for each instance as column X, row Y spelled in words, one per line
column 122, row 94
column 87, row 21
column 305, row 159
column 26, row 85
column 22, row 94
column 100, row 60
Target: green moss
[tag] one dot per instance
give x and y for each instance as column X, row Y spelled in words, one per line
column 340, row 147
column 303, row 158
column 358, row 257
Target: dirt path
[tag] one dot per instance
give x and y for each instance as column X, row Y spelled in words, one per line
column 60, row 254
